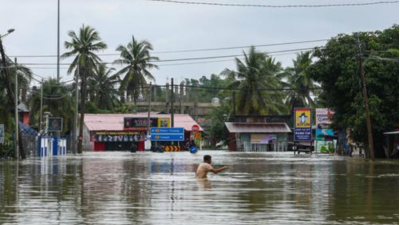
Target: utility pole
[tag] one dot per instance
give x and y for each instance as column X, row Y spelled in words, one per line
column 41, row 108
column 16, row 112
column 148, row 111
column 172, row 102
column 58, row 42
column 234, row 105
column 75, row 111
column 366, row 105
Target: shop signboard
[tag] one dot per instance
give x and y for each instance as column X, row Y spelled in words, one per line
column 262, row 138
column 118, row 136
column 164, row 122
column 134, row 122
column 302, row 125
column 167, row 134
column 55, row 124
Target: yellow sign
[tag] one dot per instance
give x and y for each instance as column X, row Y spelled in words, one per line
column 303, row 118
column 197, row 135
column 164, row 122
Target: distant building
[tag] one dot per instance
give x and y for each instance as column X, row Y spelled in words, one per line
column 258, row 133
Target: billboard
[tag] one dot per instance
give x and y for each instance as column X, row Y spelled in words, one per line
column 55, row 124
column 136, row 123
column 302, row 125
column 323, row 116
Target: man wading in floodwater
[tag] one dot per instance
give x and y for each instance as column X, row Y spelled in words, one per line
column 206, row 167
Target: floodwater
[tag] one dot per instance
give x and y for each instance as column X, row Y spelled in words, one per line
column 160, row 188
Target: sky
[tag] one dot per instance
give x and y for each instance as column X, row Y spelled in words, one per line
column 172, row 27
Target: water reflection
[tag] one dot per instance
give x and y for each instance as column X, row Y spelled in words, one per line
column 124, row 188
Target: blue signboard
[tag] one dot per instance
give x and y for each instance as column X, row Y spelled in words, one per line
column 167, row 134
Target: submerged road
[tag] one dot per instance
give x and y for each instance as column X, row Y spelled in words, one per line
column 160, row 188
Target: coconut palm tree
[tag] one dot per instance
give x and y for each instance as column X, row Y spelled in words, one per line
column 104, row 83
column 301, row 85
column 83, row 47
column 257, row 71
column 137, row 60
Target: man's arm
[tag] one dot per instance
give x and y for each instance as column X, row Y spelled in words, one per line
column 215, row 171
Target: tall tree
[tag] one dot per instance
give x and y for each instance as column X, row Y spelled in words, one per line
column 7, row 94
column 337, row 69
column 137, row 59
column 104, row 87
column 256, row 72
column 83, row 47
column 303, row 87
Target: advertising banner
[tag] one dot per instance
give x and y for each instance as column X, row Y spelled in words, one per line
column 322, row 134
column 323, row 116
column 302, row 125
column 262, row 138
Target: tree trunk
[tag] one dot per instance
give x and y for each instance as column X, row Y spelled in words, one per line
column 81, row 121
column 11, row 96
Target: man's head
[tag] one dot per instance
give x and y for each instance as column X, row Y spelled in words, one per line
column 207, row 159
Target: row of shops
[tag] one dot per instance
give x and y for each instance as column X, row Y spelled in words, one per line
column 109, row 132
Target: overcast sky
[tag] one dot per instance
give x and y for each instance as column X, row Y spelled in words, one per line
column 171, row 27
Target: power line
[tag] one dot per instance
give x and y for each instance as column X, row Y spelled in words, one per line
column 163, row 65
column 277, row 6
column 187, row 59
column 189, row 50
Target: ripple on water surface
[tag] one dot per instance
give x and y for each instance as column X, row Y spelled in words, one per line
column 154, row 188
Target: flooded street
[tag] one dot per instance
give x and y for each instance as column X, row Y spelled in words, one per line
column 160, row 188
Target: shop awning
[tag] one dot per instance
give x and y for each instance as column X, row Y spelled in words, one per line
column 391, row 132
column 257, row 127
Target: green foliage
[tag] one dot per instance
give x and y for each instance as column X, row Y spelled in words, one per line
column 137, row 60
column 301, row 84
column 57, row 99
column 216, row 123
column 257, row 71
column 102, row 87
column 337, row 69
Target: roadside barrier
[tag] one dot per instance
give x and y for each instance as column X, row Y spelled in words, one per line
column 49, row 146
column 172, row 148
column 45, row 146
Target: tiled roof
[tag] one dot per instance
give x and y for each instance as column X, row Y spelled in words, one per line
column 114, row 122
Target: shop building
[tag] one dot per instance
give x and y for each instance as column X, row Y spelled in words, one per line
column 258, row 136
column 110, row 132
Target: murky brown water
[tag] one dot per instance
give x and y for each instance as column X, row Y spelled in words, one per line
column 160, row 188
